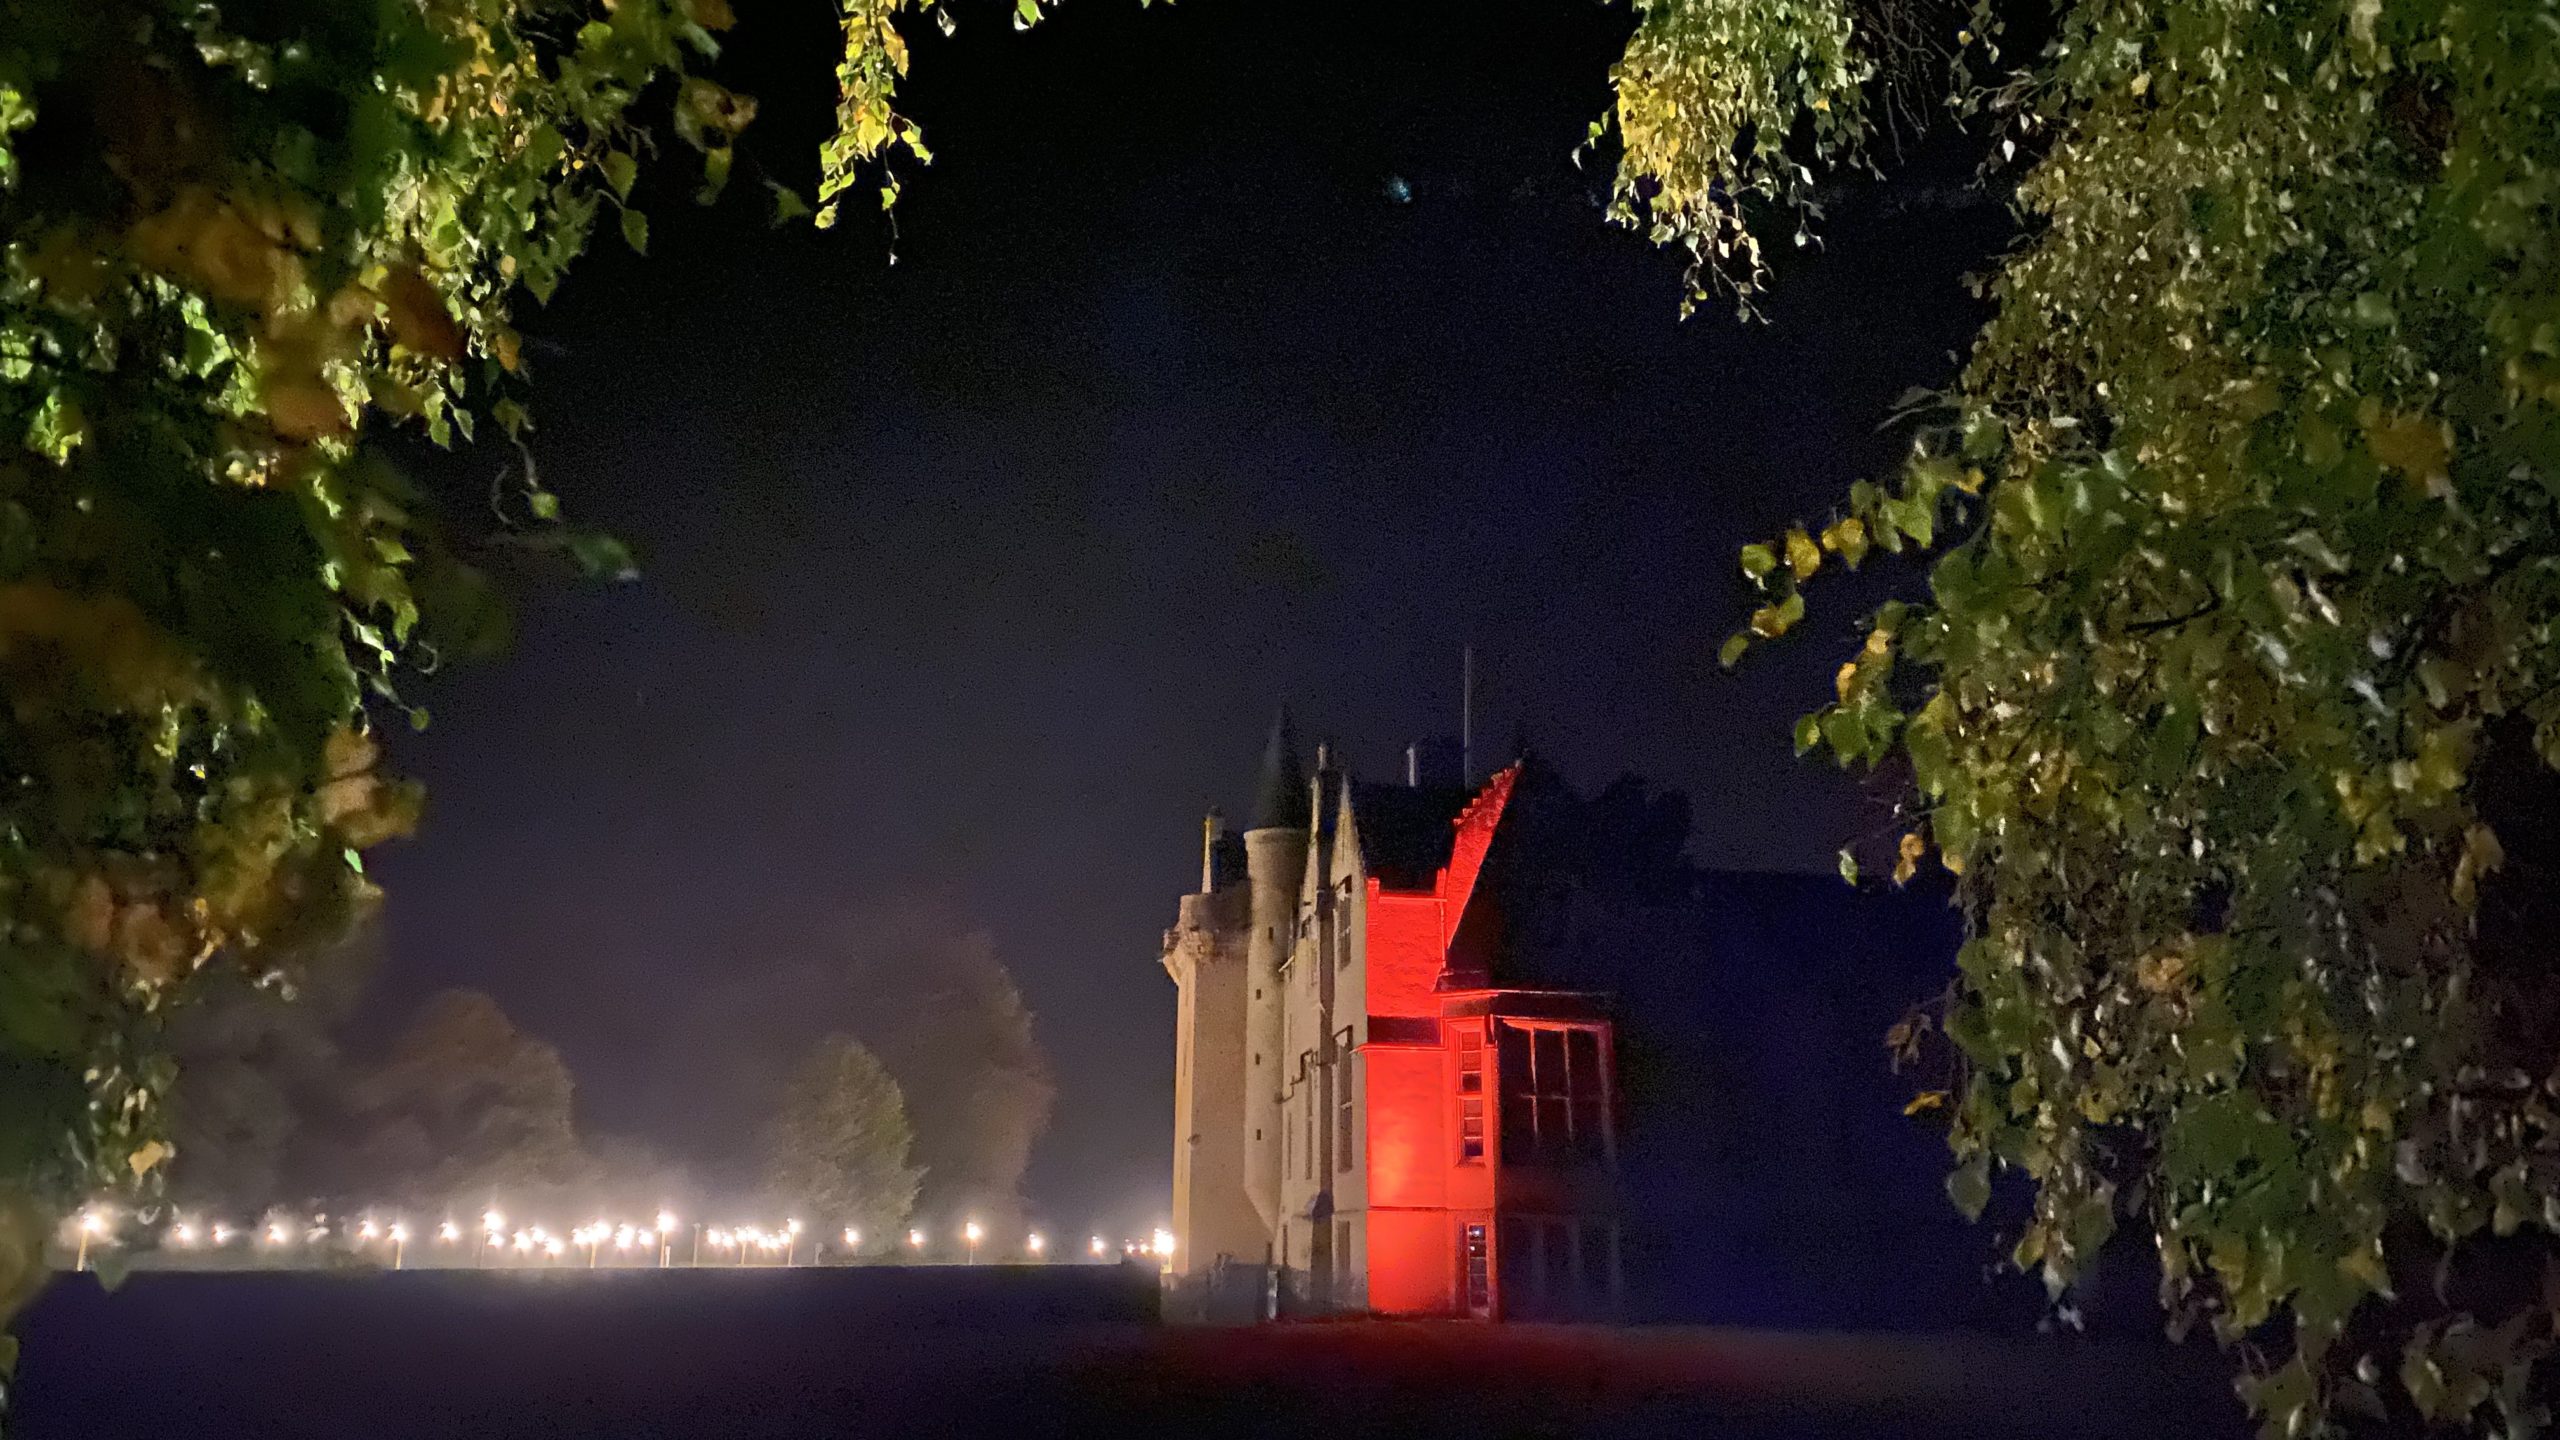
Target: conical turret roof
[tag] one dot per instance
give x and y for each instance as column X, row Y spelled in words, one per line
column 1280, row 798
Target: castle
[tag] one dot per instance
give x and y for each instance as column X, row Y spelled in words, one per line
column 1373, row 1096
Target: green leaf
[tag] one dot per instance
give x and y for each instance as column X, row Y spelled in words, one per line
column 1925, row 741
column 635, row 231
column 1848, row 865
column 1731, row 653
column 620, row 170
column 715, row 174
column 1758, row 560
column 1969, row 1186
column 787, row 203
column 603, row 557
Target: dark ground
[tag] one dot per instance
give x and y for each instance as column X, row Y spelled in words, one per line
column 1067, row 1350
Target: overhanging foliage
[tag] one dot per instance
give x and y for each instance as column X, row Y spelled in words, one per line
column 2243, row 512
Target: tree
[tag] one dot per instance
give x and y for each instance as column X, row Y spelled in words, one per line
column 2236, row 686
column 466, row 1108
column 838, row 1142
column 231, row 243
column 946, row 1017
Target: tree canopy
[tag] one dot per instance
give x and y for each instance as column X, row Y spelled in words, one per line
column 234, row 242
column 2245, row 580
column 838, row 1139
column 945, row 1016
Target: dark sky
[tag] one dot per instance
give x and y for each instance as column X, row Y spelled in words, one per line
column 976, row 577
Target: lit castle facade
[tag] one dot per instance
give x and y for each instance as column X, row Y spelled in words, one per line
column 1369, row 1095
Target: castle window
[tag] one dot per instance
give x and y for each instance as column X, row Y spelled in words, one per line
column 1308, row 1161
column 1470, row 1097
column 1472, row 1260
column 1554, row 1097
column 1342, row 1148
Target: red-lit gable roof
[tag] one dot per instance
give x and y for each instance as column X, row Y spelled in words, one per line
column 1411, row 925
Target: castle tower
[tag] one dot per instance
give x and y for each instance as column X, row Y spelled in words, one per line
column 1275, row 867
column 1204, row 952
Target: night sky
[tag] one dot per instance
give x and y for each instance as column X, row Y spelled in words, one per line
column 1241, row 350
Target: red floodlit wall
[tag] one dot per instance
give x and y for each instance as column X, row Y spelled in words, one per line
column 1413, row 1263
column 1409, row 1267
column 1405, row 953
column 1415, row 1179
column 1408, row 1146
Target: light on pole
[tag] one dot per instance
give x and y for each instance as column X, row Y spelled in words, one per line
column 399, row 1244
column 91, row 1223
column 915, row 1241
column 973, row 1233
column 1035, row 1244
column 667, row 1238
column 790, row 1240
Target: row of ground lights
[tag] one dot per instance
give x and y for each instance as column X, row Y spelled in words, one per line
column 737, row 1245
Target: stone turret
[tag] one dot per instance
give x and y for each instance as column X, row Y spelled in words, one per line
column 1275, row 865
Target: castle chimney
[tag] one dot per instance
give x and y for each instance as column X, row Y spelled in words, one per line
column 1433, row 763
column 1212, row 830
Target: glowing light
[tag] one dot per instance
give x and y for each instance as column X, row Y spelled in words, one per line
column 1164, row 1243
column 1036, row 1243
column 852, row 1238
column 367, row 1230
column 553, row 1247
column 666, row 1222
column 492, row 1221
column 184, row 1234
column 399, row 1234
column 221, row 1234
column 973, row 1232
column 524, row 1240
column 277, row 1234
column 792, row 1226
column 1097, row 1246
column 915, row 1238
column 92, row 1222
column 448, row 1232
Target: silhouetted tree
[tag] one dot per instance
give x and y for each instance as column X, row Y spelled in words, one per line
column 261, row 1076
column 839, row 1143
column 946, row 1017
column 465, row 1106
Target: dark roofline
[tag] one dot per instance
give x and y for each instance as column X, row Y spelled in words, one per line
column 1280, row 798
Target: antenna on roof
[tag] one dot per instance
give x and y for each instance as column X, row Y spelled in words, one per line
column 1467, row 716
